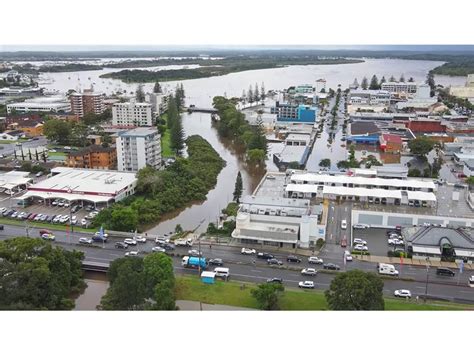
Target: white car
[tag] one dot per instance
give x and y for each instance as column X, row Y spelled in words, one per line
column 306, row 284
column 130, row 241
column 315, row 260
column 395, row 242
column 177, row 242
column 140, row 239
column 74, row 220
column 248, row 251
column 347, row 255
column 360, row 241
column 131, row 253
column 402, row 293
column 66, row 204
column 85, row 241
column 158, row 250
column 97, row 234
column 343, row 224
column 84, row 222
column 38, row 217
column 194, row 252
column 3, row 209
column 309, row 272
column 57, row 218
column 361, row 226
column 47, row 236
column 361, row 247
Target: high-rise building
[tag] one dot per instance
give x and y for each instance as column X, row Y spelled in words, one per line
column 87, row 102
column 138, row 148
column 136, row 114
column 405, row 87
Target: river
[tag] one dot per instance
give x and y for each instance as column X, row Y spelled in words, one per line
column 97, row 285
column 200, row 93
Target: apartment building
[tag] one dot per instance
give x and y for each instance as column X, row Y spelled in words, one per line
column 138, row 148
column 369, row 97
column 40, row 104
column 159, row 102
column 87, row 102
column 132, row 114
column 395, row 87
column 93, row 157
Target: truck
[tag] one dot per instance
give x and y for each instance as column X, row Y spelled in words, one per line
column 387, row 269
column 194, row 262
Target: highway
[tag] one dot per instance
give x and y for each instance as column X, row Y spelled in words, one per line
column 248, row 268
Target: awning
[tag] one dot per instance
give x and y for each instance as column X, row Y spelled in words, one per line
column 427, row 250
column 65, row 196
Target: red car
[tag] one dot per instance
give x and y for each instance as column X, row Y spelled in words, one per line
column 344, row 242
column 32, row 216
column 461, row 175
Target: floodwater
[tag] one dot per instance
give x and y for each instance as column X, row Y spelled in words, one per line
column 200, row 93
column 97, row 285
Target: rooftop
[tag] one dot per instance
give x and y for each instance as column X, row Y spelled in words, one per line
column 139, row 132
column 434, row 236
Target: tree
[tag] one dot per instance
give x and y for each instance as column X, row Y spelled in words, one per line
column 374, row 83
column 470, row 180
column 178, row 229
column 402, row 79
column 140, row 94
column 383, row 80
column 159, row 281
column 172, row 112
column 411, row 80
column 124, row 219
column 431, row 82
column 421, row 146
column 179, row 96
column 258, row 139
column 157, row 88
column 268, row 296
column 256, row 94
column 250, row 96
column 58, row 131
column 256, row 156
column 294, row 165
column 392, row 79
column 365, row 83
column 414, row 172
column 177, row 136
column 325, row 163
column 263, row 93
column 356, row 290
column 238, row 187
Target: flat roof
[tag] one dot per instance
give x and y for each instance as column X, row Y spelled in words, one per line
column 86, row 181
column 422, row 196
column 360, row 180
column 361, row 192
column 12, row 179
column 139, row 132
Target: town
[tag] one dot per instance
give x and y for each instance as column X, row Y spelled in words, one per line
column 271, row 187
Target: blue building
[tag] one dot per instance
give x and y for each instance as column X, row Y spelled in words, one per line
column 295, row 113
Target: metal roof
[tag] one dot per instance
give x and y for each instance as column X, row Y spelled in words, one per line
column 432, row 236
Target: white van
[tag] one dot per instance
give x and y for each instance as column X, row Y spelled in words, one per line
column 222, row 272
column 387, row 269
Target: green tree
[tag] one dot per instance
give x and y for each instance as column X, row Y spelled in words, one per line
column 355, row 290
column 259, row 139
column 414, row 172
column 177, row 136
column 178, row 229
column 374, row 83
column 159, row 281
column 140, row 94
column 157, row 88
column 256, row 94
column 250, row 95
column 431, row 82
column 470, row 180
column 172, row 112
column 268, row 296
column 263, row 93
column 124, row 219
column 325, row 163
column 238, row 187
column 294, row 165
column 256, row 156
column 421, row 146
column 364, row 84
column 402, row 78
column 392, row 79
column 411, row 80
column 58, row 131
column 383, row 80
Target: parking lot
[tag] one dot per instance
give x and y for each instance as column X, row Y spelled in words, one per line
column 376, row 240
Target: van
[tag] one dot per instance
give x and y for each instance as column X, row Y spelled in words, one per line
column 222, row 272
column 387, row 269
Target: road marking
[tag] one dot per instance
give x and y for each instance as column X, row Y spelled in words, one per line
column 254, row 270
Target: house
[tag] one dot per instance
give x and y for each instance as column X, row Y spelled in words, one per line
column 12, row 135
column 390, row 143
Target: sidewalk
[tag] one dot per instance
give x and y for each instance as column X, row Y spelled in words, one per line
column 198, row 306
column 406, row 261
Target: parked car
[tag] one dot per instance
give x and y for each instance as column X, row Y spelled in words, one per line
column 361, row 226
column 177, row 242
column 44, row 218
column 276, row 280
column 75, row 208
column 331, row 266
column 306, row 284
column 1, row 227
column 97, row 234
column 85, row 240
column 309, row 272
column 132, row 253
column 402, row 293
column 158, row 250
column 265, row 256
column 49, row 219
column 140, row 239
column 442, row 271
column 274, row 261
column 315, row 260
column 84, row 222
column 361, row 247
column 130, row 241
column 247, row 251
column 348, row 255
column 36, row 217
column 293, row 259
column 121, row 245
column 395, row 241
column 360, row 241
column 217, row 262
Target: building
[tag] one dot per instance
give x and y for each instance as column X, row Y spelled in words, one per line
column 21, row 91
column 320, row 85
column 468, row 167
column 426, row 125
column 93, row 157
column 369, row 97
column 296, row 149
column 132, row 114
column 14, row 181
column 31, row 125
column 83, row 185
column 40, row 104
column 12, row 135
column 294, row 113
column 390, row 143
column 422, row 99
column 87, row 102
column 366, row 132
column 395, row 87
column 138, row 148
column 466, row 91
column 159, row 102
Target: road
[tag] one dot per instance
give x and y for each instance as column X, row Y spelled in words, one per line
column 9, row 148
column 242, row 267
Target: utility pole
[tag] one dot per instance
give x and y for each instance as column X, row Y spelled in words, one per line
column 427, row 275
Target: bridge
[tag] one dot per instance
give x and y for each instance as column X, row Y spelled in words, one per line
column 95, row 266
column 192, row 109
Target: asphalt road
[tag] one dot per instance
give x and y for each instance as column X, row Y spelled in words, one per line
column 242, row 267
column 9, row 148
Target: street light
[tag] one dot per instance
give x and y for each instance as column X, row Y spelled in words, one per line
column 427, row 275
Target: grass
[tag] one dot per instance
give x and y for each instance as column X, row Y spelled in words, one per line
column 231, row 293
column 60, row 227
column 6, row 141
column 56, row 154
column 166, row 151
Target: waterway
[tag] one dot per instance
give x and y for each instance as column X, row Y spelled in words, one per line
column 200, row 93
column 97, row 285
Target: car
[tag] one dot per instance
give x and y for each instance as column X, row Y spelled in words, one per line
column 74, row 220
column 344, row 242
column 348, row 255
column 194, row 252
column 105, row 235
column 1, row 227
column 57, row 218
column 49, row 219
column 158, row 250
column 361, row 226
column 167, row 246
column 132, row 253
column 217, row 262
column 392, row 231
column 85, row 240
column 121, row 245
column 247, row 251
column 360, row 241
column 140, row 239
column 276, row 280
column 361, row 247
column 442, row 271
column 3, row 209
column 394, row 236
column 44, row 218
column 331, row 266
column 177, row 242
column 84, row 222
column 64, row 219
column 162, row 240
column 36, row 217
column 21, row 215
column 309, row 272
column 130, row 241
column 293, row 259
column 89, row 208
column 48, row 236
column 402, row 293
column 55, row 202
column 343, row 224
column 39, row 174
column 265, row 256
column 306, row 284
column 75, row 208
column 315, row 260
column 61, row 203
column 395, row 241
column 274, row 261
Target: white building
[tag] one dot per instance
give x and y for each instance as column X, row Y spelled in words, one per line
column 466, row 91
column 159, row 102
column 421, row 100
column 138, row 148
column 41, row 104
column 369, row 97
column 320, row 85
column 395, row 87
column 132, row 114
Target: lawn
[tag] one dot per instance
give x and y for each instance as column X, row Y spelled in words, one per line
column 56, row 154
column 231, row 293
column 49, row 226
column 166, row 151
